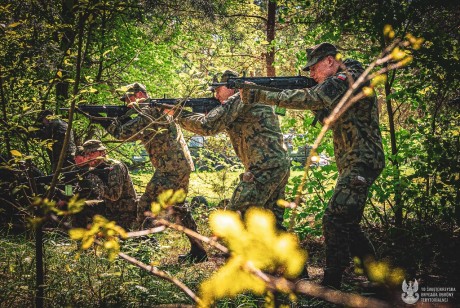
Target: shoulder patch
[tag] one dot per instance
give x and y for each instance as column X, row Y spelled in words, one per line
column 342, row 76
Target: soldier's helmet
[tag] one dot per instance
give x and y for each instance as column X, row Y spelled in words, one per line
column 223, row 78
column 132, row 89
column 319, row 52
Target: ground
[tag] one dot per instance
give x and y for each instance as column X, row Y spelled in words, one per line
column 88, row 279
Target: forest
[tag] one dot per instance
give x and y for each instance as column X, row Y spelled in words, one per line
column 57, row 55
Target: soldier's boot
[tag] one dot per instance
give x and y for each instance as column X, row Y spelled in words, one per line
column 197, row 254
column 332, row 278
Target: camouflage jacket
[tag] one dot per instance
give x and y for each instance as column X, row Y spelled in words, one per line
column 356, row 134
column 55, row 131
column 161, row 137
column 116, row 188
column 253, row 130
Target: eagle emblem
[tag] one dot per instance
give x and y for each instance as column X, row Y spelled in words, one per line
column 410, row 295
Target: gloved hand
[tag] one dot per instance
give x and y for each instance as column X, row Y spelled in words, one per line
column 248, row 96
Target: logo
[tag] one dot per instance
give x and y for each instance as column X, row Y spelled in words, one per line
column 410, row 295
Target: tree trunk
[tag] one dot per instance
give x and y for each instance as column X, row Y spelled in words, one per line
column 5, row 118
column 398, row 209
column 67, row 41
column 271, row 21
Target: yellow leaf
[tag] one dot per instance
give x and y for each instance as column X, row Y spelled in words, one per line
column 77, row 233
column 368, row 91
column 13, row 25
column 388, row 31
column 16, row 153
column 264, row 43
column 379, row 80
column 398, row 54
column 59, row 74
column 87, row 242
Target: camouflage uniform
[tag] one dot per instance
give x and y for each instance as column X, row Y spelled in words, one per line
column 359, row 157
column 170, row 157
column 117, row 190
column 257, row 140
column 55, row 130
column 167, row 150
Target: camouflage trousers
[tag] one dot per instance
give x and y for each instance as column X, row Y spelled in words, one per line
column 261, row 189
column 161, row 182
column 341, row 221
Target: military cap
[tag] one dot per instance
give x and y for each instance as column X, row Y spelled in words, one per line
column 80, row 151
column 93, row 145
column 132, row 89
column 224, row 77
column 319, row 52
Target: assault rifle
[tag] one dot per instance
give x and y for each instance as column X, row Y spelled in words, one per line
column 271, row 83
column 274, row 84
column 198, row 105
column 74, row 175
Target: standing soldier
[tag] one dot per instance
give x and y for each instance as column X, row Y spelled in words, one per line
column 115, row 187
column 358, row 152
column 54, row 129
column 169, row 155
column 257, row 140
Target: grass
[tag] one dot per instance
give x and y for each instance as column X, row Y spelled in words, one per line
column 89, row 279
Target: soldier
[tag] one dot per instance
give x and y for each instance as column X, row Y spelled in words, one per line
column 115, row 187
column 257, row 140
column 169, row 155
column 358, row 152
column 54, row 129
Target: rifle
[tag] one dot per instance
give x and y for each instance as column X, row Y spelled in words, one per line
column 74, row 175
column 274, row 84
column 96, row 112
column 268, row 83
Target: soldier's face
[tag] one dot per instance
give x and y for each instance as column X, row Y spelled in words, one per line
column 80, row 160
column 94, row 158
column 135, row 97
column 223, row 93
column 323, row 69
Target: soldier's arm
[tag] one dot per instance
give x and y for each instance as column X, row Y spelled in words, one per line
column 132, row 128
column 322, row 96
column 215, row 121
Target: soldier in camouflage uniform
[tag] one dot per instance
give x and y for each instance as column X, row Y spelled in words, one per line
column 55, row 129
column 169, row 155
column 358, row 152
column 257, row 140
column 115, row 188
